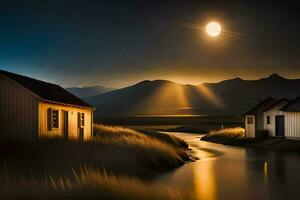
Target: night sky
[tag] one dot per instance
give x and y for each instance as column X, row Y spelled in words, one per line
column 118, row 43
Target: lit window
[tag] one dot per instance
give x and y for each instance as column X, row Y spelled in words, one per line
column 80, row 119
column 268, row 120
column 52, row 119
column 250, row 120
column 55, row 118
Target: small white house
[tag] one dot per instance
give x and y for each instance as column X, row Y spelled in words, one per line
column 274, row 118
column 254, row 118
column 280, row 118
column 31, row 109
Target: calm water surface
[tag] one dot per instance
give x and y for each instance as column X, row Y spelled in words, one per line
column 234, row 173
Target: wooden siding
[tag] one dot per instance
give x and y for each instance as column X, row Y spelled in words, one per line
column 292, row 124
column 250, row 128
column 259, row 122
column 73, row 132
column 18, row 111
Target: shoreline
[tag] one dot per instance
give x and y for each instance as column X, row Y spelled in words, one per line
column 271, row 144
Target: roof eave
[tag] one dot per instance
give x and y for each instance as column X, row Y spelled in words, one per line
column 66, row 104
column 275, row 104
column 288, row 110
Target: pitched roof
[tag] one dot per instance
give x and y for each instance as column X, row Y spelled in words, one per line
column 293, row 106
column 261, row 106
column 284, row 101
column 47, row 91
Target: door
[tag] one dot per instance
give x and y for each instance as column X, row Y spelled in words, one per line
column 66, row 124
column 279, row 126
column 81, row 133
column 250, row 126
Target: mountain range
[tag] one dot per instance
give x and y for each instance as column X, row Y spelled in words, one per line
column 88, row 91
column 162, row 97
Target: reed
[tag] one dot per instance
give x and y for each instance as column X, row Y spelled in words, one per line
column 88, row 183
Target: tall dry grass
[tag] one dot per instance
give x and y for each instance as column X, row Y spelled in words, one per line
column 156, row 151
column 229, row 132
column 88, row 183
column 122, row 152
column 105, row 131
column 116, row 132
column 170, row 139
column 226, row 135
column 125, row 154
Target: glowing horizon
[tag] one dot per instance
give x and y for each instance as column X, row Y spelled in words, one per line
column 116, row 45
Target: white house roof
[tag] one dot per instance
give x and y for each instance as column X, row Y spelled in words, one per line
column 293, row 106
column 283, row 102
column 261, row 106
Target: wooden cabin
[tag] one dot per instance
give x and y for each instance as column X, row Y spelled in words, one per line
column 31, row 109
column 254, row 118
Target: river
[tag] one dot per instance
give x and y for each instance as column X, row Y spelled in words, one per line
column 234, row 173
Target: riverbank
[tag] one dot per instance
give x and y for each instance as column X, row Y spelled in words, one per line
column 111, row 165
column 236, row 137
column 119, row 150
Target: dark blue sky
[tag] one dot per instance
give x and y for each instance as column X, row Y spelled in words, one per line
column 117, row 43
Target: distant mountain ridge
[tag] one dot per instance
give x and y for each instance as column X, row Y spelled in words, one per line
column 274, row 85
column 88, row 91
column 233, row 96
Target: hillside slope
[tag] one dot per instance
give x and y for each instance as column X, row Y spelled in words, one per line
column 86, row 92
column 233, row 96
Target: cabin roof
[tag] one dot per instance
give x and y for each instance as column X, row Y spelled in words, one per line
column 260, row 106
column 48, row 92
column 293, row 106
column 277, row 103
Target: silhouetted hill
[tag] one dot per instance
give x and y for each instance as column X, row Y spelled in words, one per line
column 86, row 92
column 233, row 96
column 274, row 85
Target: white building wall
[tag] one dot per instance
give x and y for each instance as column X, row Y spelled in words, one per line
column 273, row 112
column 272, row 126
column 292, row 124
column 250, row 128
column 259, row 122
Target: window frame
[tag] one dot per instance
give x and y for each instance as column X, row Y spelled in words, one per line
column 81, row 119
column 51, row 124
column 56, row 111
column 250, row 120
column 268, row 119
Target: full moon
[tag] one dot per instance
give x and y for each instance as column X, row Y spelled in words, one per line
column 213, row 29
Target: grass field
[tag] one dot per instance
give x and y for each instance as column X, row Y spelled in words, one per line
column 118, row 149
column 236, row 137
column 116, row 159
column 225, row 135
column 86, row 183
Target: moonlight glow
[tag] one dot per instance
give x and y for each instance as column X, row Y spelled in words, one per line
column 213, row 29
